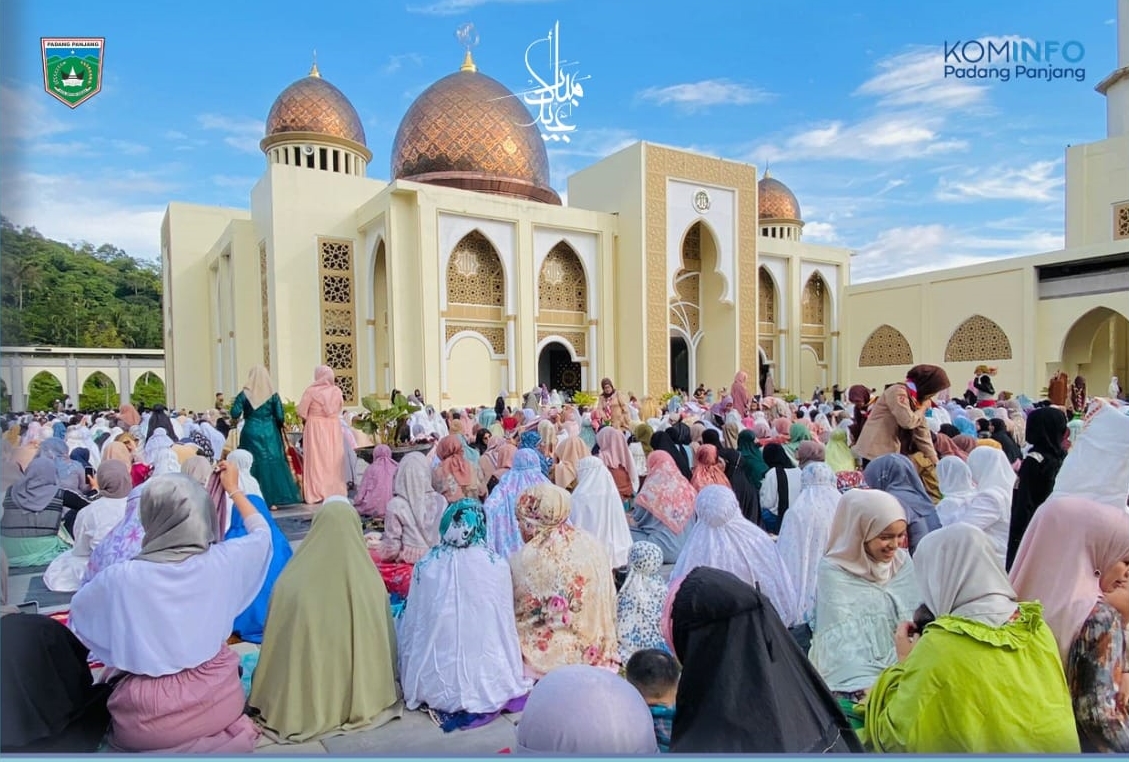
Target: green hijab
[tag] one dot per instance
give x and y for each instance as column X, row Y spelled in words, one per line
column 752, row 459
column 799, row 433
column 838, row 455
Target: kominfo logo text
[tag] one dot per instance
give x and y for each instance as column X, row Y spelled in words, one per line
column 1019, row 59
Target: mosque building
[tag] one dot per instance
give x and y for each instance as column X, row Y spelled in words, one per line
column 464, row 275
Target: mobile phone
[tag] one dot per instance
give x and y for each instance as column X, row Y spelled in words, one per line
column 28, row 607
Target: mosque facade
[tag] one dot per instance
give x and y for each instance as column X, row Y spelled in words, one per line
column 464, row 275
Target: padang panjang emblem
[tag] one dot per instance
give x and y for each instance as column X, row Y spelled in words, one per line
column 72, row 67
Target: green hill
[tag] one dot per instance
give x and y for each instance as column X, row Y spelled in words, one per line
column 55, row 294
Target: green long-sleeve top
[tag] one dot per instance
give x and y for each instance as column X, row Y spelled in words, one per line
column 968, row 687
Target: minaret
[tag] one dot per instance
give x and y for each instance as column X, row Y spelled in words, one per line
column 1115, row 87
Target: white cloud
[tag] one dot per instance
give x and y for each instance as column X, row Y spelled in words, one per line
column 821, row 232
column 240, row 133
column 917, row 77
column 1039, row 181
column 694, row 96
column 395, row 63
column 175, row 135
column 103, row 212
column 883, row 137
column 922, row 248
column 128, row 148
column 455, row 7
column 26, row 115
column 69, row 148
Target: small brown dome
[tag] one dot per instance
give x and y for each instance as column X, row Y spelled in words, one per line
column 776, row 201
column 469, row 131
column 313, row 105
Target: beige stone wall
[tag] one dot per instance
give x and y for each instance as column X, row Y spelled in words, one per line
column 1097, row 180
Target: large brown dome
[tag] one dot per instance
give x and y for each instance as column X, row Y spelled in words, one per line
column 469, row 131
column 312, row 105
column 776, row 201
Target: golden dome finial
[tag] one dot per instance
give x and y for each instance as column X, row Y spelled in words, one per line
column 767, row 174
column 468, row 38
column 314, row 69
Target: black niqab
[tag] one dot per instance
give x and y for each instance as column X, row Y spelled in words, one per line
column 50, row 702
column 746, row 686
column 671, row 443
column 159, row 419
column 1046, row 431
column 747, row 496
column 998, row 427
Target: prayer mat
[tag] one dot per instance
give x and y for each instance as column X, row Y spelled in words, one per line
column 397, row 577
column 294, row 527
column 37, row 591
column 450, row 722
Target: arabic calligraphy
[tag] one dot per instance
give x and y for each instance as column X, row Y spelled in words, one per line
column 556, row 95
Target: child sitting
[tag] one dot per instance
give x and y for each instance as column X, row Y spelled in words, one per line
column 654, row 674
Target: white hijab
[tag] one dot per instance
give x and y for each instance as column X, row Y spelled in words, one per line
column 1097, row 466
column 243, row 460
column 959, row 575
column 598, row 508
column 955, row 480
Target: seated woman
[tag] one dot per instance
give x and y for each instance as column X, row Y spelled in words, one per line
column 377, row 483
column 664, row 508
column 50, row 701
column 981, row 644
column 503, row 536
column 617, row 457
column 33, row 514
column 329, row 603
column 588, row 711
column 458, row 641
column 746, row 686
column 597, row 506
column 639, row 603
column 455, row 477
column 865, row 587
column 804, row 537
column 896, row 475
column 92, row 524
column 179, row 694
column 411, row 521
column 724, row 539
column 780, row 486
column 568, row 456
column 249, row 624
column 564, row 596
column 1074, row 559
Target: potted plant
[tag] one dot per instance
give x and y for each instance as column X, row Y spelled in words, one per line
column 291, row 422
column 385, row 424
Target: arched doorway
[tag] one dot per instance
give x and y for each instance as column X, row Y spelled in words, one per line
column 679, row 364
column 557, row 370
column 43, row 391
column 1097, row 348
column 148, row 391
column 382, row 344
column 98, row 393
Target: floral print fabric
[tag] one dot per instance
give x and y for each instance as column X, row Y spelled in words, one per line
column 564, row 595
column 1096, row 671
column 640, row 601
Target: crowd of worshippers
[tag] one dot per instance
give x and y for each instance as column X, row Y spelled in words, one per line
column 907, row 570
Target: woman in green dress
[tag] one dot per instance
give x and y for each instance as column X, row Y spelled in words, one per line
column 262, row 437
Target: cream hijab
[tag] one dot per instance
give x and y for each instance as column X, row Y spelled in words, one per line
column 959, row 574
column 258, row 388
column 861, row 516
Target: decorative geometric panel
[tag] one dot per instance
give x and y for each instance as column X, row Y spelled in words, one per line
column 767, row 346
column 1121, row 221
column 766, row 296
column 815, row 346
column 813, row 302
column 495, row 335
column 264, row 296
column 885, row 346
column 338, row 314
column 978, row 338
column 475, row 274
column 692, row 247
column 562, row 285
column 685, row 311
column 578, row 339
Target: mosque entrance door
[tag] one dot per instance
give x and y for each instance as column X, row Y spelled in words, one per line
column 679, row 364
column 557, row 370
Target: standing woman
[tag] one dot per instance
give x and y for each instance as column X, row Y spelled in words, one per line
column 1046, row 433
column 322, row 446
column 262, row 437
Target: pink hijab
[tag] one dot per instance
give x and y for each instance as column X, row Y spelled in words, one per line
column 739, row 393
column 666, row 494
column 378, row 483
column 323, row 391
column 1067, row 545
column 708, row 469
column 614, row 452
column 452, row 462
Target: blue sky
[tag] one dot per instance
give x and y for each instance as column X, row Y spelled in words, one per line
column 845, row 102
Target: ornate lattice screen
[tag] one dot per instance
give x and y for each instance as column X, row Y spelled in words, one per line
column 562, row 285
column 885, row 346
column 265, row 298
column 338, row 314
column 1121, row 221
column 978, row 338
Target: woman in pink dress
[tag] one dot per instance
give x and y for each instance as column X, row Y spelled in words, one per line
column 323, row 449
